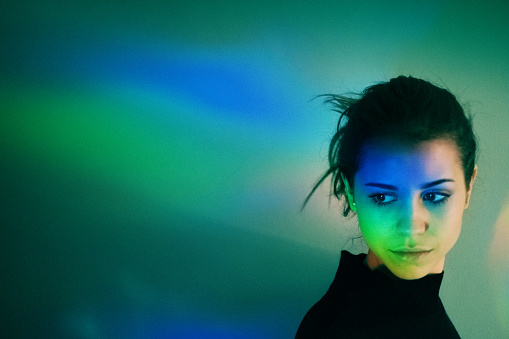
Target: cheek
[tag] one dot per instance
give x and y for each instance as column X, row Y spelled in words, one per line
column 452, row 220
column 376, row 224
column 446, row 226
column 453, row 215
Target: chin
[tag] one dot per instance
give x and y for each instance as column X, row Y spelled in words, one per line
column 410, row 274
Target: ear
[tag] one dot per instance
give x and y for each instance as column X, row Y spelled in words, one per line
column 469, row 191
column 349, row 193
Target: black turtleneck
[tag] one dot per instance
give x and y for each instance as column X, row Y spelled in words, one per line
column 362, row 303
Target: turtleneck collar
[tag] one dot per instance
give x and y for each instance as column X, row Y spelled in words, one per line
column 381, row 292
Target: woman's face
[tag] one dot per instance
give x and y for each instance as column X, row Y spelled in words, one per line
column 410, row 203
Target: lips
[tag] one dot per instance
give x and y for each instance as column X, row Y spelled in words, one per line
column 411, row 255
column 411, row 250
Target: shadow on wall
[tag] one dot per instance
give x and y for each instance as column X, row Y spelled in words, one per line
column 89, row 260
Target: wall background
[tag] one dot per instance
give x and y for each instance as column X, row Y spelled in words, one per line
column 155, row 154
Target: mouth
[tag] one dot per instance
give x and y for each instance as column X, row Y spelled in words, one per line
column 411, row 255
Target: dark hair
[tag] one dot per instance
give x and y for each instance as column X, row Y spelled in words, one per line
column 404, row 109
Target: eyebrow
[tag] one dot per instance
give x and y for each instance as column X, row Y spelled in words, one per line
column 394, row 188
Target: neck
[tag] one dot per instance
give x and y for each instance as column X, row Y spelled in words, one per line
column 376, row 264
column 373, row 261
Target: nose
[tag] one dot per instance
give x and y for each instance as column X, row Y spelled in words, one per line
column 414, row 218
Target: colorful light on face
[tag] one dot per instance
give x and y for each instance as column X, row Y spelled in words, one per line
column 410, row 203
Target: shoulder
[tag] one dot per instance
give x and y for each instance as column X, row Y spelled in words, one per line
column 319, row 319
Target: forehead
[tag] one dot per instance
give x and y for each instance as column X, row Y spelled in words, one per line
column 396, row 162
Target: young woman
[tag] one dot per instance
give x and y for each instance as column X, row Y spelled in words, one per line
column 404, row 164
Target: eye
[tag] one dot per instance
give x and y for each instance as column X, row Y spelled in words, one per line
column 435, row 197
column 382, row 199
